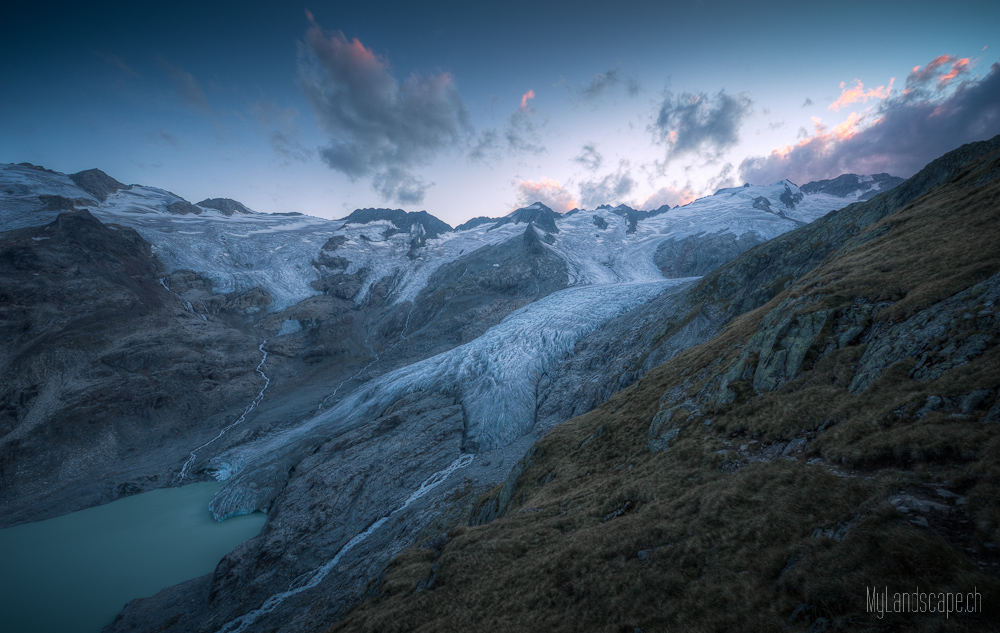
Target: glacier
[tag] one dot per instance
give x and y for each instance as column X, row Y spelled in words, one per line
column 493, row 377
column 277, row 251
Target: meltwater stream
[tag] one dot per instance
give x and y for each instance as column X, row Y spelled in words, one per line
column 74, row 573
column 250, row 407
column 313, row 578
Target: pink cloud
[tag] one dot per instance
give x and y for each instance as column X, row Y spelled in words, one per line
column 547, row 191
column 858, row 94
column 934, row 115
column 525, row 97
column 958, row 68
column 941, row 71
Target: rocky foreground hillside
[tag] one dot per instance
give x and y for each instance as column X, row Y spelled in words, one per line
column 840, row 431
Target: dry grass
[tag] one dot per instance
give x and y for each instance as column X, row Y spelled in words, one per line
column 603, row 535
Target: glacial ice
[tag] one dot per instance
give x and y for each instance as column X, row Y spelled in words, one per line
column 494, row 377
column 277, row 252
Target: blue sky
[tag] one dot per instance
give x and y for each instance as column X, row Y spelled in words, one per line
column 466, row 110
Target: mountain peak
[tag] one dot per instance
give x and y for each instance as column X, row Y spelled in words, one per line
column 97, row 183
column 226, row 206
column 402, row 220
column 849, row 185
column 537, row 213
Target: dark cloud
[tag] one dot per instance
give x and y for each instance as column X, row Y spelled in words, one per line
column 611, row 189
column 377, row 127
column 808, row 102
column 400, row 185
column 589, row 157
column 281, row 128
column 186, row 86
column 699, row 123
column 936, row 113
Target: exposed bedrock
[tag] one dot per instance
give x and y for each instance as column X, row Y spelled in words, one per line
column 105, row 377
column 698, row 255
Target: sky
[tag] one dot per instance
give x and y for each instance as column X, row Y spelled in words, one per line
column 465, row 110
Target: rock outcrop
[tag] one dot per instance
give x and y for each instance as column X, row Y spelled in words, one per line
column 100, row 362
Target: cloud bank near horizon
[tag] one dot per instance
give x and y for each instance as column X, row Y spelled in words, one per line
column 940, row 108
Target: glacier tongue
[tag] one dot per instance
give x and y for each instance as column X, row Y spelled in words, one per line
column 494, row 378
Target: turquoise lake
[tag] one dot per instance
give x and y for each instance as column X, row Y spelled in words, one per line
column 74, row 573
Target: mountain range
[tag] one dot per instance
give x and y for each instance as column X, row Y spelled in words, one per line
column 756, row 403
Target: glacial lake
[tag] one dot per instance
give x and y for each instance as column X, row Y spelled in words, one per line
column 74, row 573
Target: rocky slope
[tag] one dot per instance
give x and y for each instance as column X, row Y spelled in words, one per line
column 840, row 431
column 99, row 362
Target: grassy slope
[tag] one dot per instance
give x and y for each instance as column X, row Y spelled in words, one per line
column 711, row 533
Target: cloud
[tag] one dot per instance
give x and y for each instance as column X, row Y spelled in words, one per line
column 611, row 189
column 589, row 157
column 524, row 100
column 186, row 86
column 282, row 130
column 547, row 191
column 670, row 196
column 602, row 82
column 398, row 184
column 858, row 94
column 632, row 86
column 518, row 136
column 724, row 179
column 935, row 76
column 117, row 62
column 697, row 123
column 934, row 114
column 808, row 102
column 377, row 127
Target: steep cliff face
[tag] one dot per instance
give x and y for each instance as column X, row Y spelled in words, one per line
column 839, row 431
column 99, row 362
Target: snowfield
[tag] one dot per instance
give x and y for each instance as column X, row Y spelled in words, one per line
column 277, row 252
